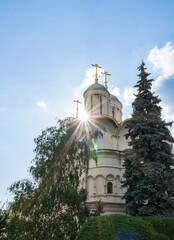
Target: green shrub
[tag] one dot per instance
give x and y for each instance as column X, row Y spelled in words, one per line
column 164, row 225
column 109, row 226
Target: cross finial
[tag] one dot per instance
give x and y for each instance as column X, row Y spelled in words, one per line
column 106, row 74
column 77, row 109
column 96, row 75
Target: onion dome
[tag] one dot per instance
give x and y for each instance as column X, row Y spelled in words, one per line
column 96, row 86
column 114, row 97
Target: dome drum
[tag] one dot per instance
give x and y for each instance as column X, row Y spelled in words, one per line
column 99, row 101
column 96, row 101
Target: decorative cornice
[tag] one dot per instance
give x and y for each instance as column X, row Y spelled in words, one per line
column 126, row 120
column 110, row 118
column 107, row 117
column 109, row 151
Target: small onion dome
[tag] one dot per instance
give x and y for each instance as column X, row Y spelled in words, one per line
column 96, row 86
column 114, row 97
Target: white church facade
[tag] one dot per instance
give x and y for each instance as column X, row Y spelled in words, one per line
column 103, row 179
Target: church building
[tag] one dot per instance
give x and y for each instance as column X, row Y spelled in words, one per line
column 103, row 179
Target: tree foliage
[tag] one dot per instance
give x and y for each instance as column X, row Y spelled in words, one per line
column 3, row 222
column 52, row 206
column 149, row 173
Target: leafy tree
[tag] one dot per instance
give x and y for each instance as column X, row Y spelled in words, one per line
column 52, row 206
column 149, row 173
column 99, row 209
column 3, row 223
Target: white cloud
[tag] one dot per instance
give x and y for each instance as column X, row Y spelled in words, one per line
column 167, row 112
column 3, row 109
column 162, row 61
column 41, row 104
column 172, row 132
column 89, row 79
column 167, row 115
column 115, row 91
column 128, row 96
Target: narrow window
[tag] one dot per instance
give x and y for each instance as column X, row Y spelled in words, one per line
column 85, row 104
column 109, row 188
column 113, row 112
column 91, row 102
column 100, row 104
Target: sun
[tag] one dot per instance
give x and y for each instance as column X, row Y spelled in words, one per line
column 84, row 116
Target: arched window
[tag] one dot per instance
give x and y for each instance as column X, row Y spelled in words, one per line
column 109, row 188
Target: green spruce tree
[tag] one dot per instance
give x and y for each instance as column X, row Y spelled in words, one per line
column 149, row 173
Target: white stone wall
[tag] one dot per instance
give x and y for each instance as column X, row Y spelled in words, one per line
column 105, row 104
column 115, row 110
column 107, row 169
column 122, row 141
column 109, row 140
column 96, row 104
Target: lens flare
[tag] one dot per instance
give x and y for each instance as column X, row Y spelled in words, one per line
column 95, row 145
column 83, row 116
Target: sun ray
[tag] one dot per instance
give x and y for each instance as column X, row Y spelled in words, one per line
column 76, row 131
column 87, row 131
column 94, row 122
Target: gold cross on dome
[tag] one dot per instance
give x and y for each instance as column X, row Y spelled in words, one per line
column 77, row 109
column 106, row 74
column 96, row 75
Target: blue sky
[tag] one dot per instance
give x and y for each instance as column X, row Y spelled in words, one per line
column 46, row 49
